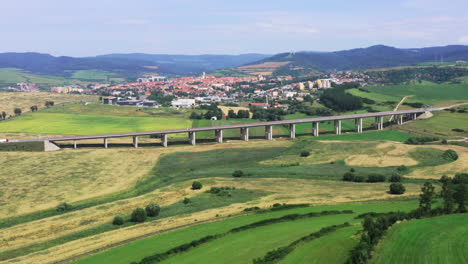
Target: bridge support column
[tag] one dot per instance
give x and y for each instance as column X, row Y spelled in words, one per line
column 135, row 141
column 338, row 127
column 219, row 135
column 414, row 116
column 245, row 133
column 379, row 122
column 269, row 132
column 292, row 131
column 192, row 138
column 164, row 140
column 315, row 129
column 358, row 122
column 399, row 119
column 105, row 142
column 75, row 145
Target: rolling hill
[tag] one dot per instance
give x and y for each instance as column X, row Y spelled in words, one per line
column 373, row 57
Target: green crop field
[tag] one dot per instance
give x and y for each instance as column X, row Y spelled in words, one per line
column 136, row 250
column 427, row 93
column 332, row 248
column 433, row 240
column 11, row 76
column 441, row 124
column 96, row 75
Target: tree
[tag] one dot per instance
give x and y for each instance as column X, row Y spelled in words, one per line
column 447, row 194
column 232, row 114
column 305, row 153
column 196, row 185
column 348, row 176
column 238, row 173
column 426, row 198
column 376, row 178
column 4, row 114
column 49, row 104
column 17, row 111
column 138, row 215
column 152, row 210
column 395, row 177
column 118, row 220
column 186, row 200
column 397, row 188
column 461, row 197
column 33, row 108
column 195, row 115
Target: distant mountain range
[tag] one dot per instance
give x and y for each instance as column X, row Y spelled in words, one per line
column 373, row 57
column 300, row 63
column 124, row 64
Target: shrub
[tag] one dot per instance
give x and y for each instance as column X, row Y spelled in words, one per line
column 348, row 176
column 402, row 169
column 396, row 177
column 444, row 141
column 352, row 170
column 397, row 188
column 420, row 140
column 238, row 173
column 186, row 200
column 152, row 210
column 63, row 207
column 305, row 153
column 118, row 220
column 458, row 130
column 376, row 178
column 359, row 178
column 138, row 215
column 196, row 185
column 460, row 178
column 450, row 154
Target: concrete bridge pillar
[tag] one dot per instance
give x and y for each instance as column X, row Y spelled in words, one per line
column 399, row 119
column 358, row 122
column 245, row 133
column 192, row 138
column 269, row 132
column 75, row 145
column 338, row 127
column 135, row 141
column 315, row 129
column 219, row 135
column 379, row 122
column 292, row 131
column 105, row 142
column 164, row 140
column 414, row 116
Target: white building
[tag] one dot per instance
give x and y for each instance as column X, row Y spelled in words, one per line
column 183, row 103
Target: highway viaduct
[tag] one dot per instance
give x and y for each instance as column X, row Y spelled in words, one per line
column 399, row 117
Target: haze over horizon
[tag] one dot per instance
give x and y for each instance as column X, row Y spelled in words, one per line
column 89, row 28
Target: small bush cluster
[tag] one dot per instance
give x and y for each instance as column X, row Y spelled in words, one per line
column 221, row 191
column 196, row 185
column 305, row 154
column 139, row 215
column 63, row 207
column 450, row 155
column 420, row 140
column 397, row 188
column 238, row 174
column 396, row 178
column 349, row 176
column 458, row 130
column 250, row 209
column 293, row 164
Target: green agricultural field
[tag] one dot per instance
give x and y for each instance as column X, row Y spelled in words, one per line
column 11, row 76
column 367, row 136
column 426, row 92
column 441, row 124
column 137, row 250
column 68, row 124
column 96, row 75
column 332, row 248
column 432, row 240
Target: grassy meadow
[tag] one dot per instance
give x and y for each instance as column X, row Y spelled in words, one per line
column 12, row 76
column 426, row 92
column 434, row 240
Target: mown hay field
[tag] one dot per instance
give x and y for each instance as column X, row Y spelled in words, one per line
column 433, row 240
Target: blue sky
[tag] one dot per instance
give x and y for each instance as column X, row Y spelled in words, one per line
column 91, row 27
